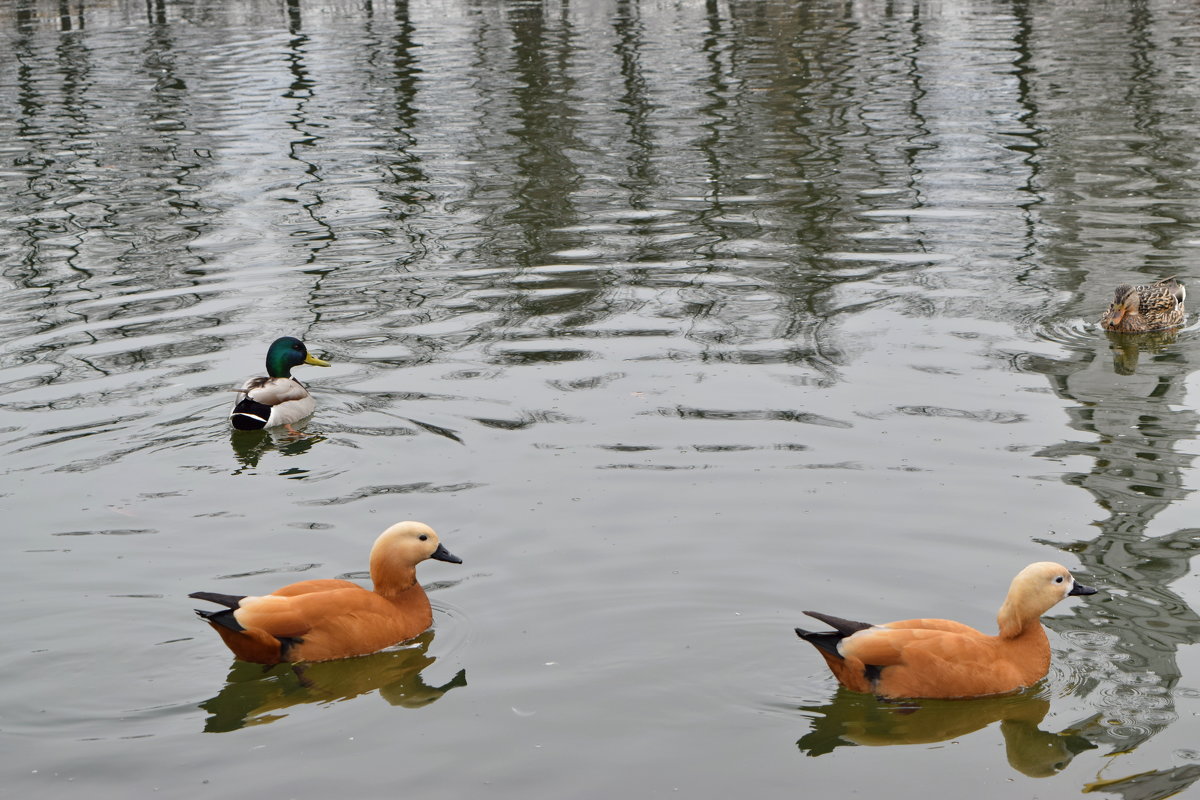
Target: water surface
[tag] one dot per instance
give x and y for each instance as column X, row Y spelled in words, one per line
column 673, row 319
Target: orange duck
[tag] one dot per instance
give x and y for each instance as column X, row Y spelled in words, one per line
column 940, row 658
column 320, row 620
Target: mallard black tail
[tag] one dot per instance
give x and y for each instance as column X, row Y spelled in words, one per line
column 250, row 415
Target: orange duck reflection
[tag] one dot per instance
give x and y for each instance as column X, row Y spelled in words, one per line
column 853, row 718
column 256, row 695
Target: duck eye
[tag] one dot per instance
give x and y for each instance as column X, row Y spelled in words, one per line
column 423, row 536
column 1059, row 579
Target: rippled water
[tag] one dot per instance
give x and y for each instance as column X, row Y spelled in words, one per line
column 674, row 319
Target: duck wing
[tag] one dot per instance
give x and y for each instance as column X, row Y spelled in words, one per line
column 845, row 627
column 274, row 391
column 927, row 662
column 318, row 585
column 948, row 625
column 1170, row 286
column 321, row 611
column 886, row 646
column 275, row 615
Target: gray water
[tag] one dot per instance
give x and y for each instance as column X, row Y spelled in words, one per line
column 673, row 319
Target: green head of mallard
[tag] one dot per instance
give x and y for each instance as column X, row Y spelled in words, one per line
column 1149, row 307
column 287, row 352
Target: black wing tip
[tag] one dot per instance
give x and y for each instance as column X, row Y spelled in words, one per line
column 286, row 645
column 839, row 624
column 227, row 600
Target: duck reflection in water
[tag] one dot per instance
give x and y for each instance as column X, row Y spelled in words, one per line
column 1127, row 347
column 256, row 695
column 250, row 446
column 854, row 718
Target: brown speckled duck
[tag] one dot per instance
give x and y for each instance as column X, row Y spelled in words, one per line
column 1150, row 307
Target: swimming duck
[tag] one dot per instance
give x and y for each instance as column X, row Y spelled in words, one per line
column 1149, row 307
column 320, row 620
column 278, row 398
column 940, row 658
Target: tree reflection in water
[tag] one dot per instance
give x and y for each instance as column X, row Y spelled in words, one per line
column 1128, row 399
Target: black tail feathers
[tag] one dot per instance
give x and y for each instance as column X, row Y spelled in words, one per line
column 224, row 617
column 827, row 641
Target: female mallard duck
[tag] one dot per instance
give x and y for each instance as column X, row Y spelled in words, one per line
column 278, row 399
column 320, row 620
column 1149, row 307
column 940, row 658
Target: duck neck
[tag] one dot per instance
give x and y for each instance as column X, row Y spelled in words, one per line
column 391, row 582
column 1017, row 623
column 1026, row 645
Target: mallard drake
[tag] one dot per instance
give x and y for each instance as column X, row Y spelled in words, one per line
column 320, row 620
column 1148, row 307
column 940, row 658
column 278, row 398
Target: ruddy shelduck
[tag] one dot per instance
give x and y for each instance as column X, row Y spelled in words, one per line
column 940, row 658
column 320, row 620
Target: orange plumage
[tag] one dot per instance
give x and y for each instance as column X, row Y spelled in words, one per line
column 319, row 620
column 940, row 658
